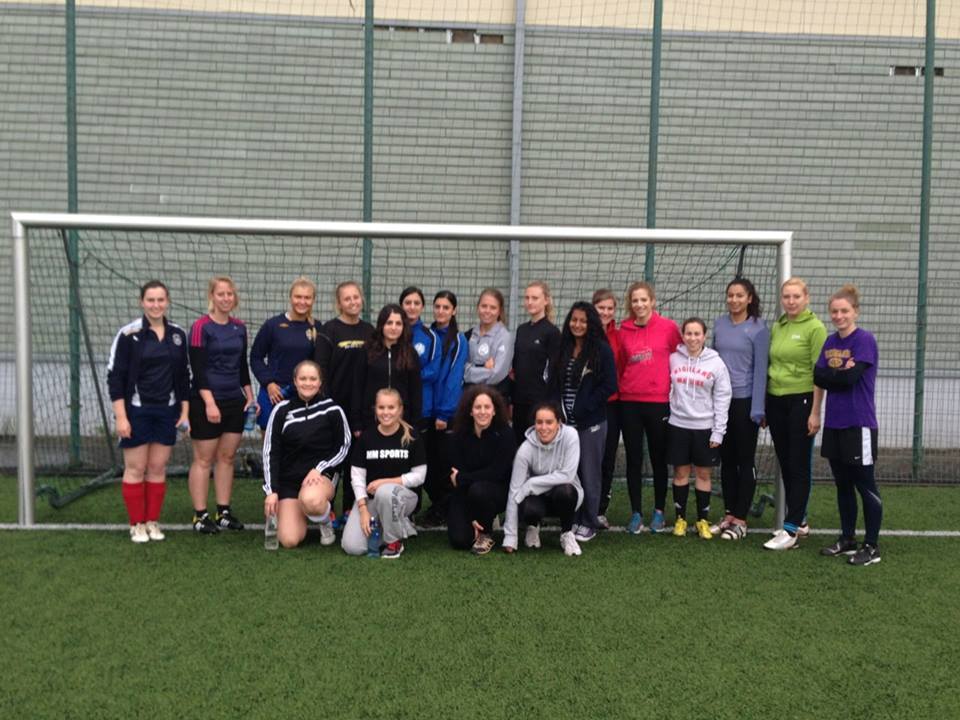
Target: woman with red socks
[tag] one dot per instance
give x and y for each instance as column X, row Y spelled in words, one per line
column 149, row 384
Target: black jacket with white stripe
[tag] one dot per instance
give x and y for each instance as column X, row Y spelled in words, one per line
column 302, row 436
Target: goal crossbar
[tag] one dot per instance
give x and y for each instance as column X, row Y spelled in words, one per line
column 514, row 234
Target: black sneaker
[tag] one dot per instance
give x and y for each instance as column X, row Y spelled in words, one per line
column 431, row 519
column 843, row 546
column 205, row 525
column 866, row 555
column 226, row 521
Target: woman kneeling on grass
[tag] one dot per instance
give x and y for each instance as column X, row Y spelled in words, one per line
column 389, row 460
column 544, row 481
column 307, row 438
column 700, row 395
column 481, row 456
column 847, row 370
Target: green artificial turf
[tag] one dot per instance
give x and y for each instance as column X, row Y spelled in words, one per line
column 649, row 626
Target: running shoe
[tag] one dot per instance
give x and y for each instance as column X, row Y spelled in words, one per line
column 843, row 546
column 635, row 526
column 227, row 521
column 328, row 536
column 657, row 522
column 532, row 537
column 392, row 551
column 734, row 532
column 703, row 529
column 482, row 545
column 153, row 531
column 721, row 526
column 781, row 541
column 585, row 534
column 602, row 522
column 803, row 530
column 680, row 527
column 568, row 542
column 866, row 555
column 138, row 533
column 205, row 525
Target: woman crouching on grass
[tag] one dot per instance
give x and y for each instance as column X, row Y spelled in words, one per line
column 700, row 396
column 544, row 481
column 481, row 457
column 307, row 437
column 847, row 371
column 389, row 461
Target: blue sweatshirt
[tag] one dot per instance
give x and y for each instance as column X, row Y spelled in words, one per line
column 448, row 383
column 744, row 349
column 428, row 351
column 280, row 345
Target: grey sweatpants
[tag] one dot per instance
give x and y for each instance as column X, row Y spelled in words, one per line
column 593, row 441
column 391, row 505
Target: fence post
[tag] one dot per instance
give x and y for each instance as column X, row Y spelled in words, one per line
column 367, row 153
column 73, row 249
column 922, row 259
column 516, row 156
column 654, row 139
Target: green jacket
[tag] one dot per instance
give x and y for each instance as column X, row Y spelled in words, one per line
column 794, row 348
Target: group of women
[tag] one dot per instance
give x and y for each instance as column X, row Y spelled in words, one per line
column 490, row 423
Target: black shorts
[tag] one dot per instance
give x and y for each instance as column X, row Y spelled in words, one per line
column 291, row 491
column 152, row 424
column 690, row 447
column 231, row 419
column 850, row 446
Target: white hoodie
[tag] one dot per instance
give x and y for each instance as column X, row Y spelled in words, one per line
column 537, row 468
column 700, row 392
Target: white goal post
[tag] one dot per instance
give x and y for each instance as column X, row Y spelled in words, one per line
column 513, row 237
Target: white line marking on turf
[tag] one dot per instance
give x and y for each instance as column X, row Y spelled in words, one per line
column 114, row 527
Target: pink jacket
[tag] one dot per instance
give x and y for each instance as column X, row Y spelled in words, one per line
column 644, row 359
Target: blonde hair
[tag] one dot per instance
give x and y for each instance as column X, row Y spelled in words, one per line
column 212, row 287
column 498, row 296
column 307, row 283
column 549, row 310
column 407, row 436
column 798, row 281
column 603, row 294
column 640, row 285
column 341, row 286
column 848, row 292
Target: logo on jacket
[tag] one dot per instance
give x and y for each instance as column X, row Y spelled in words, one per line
column 420, row 348
column 483, row 350
column 177, row 340
column 311, row 334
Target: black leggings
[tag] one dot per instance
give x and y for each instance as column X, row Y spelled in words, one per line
column 481, row 501
column 787, row 417
column 852, row 479
column 437, row 483
column 650, row 419
column 609, row 454
column 560, row 502
column 521, row 420
column 738, row 474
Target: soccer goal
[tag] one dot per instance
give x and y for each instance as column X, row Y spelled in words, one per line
column 77, row 280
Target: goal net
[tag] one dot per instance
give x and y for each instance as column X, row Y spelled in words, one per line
column 79, row 281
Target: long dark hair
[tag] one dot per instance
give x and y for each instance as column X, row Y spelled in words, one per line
column 590, row 354
column 452, row 330
column 406, row 355
column 753, row 307
column 412, row 290
column 463, row 421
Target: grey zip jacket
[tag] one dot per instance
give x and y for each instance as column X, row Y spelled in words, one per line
column 700, row 392
column 537, row 468
column 496, row 344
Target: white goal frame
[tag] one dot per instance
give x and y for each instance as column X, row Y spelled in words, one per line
column 516, row 235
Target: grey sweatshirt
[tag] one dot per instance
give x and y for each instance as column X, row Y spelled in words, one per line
column 744, row 349
column 496, row 344
column 699, row 392
column 536, row 469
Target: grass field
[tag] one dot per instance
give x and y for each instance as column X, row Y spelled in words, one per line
column 636, row 627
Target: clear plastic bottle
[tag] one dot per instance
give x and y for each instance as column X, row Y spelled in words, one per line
column 270, row 540
column 250, row 419
column 373, row 541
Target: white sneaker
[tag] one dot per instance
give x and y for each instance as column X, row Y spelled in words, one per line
column 154, row 532
column 138, row 533
column 569, row 543
column 781, row 541
column 804, row 530
column 328, row 536
column 532, row 537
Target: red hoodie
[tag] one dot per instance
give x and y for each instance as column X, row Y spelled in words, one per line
column 644, row 359
column 613, row 337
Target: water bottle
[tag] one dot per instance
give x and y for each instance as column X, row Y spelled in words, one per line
column 373, row 541
column 270, row 540
column 250, row 419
